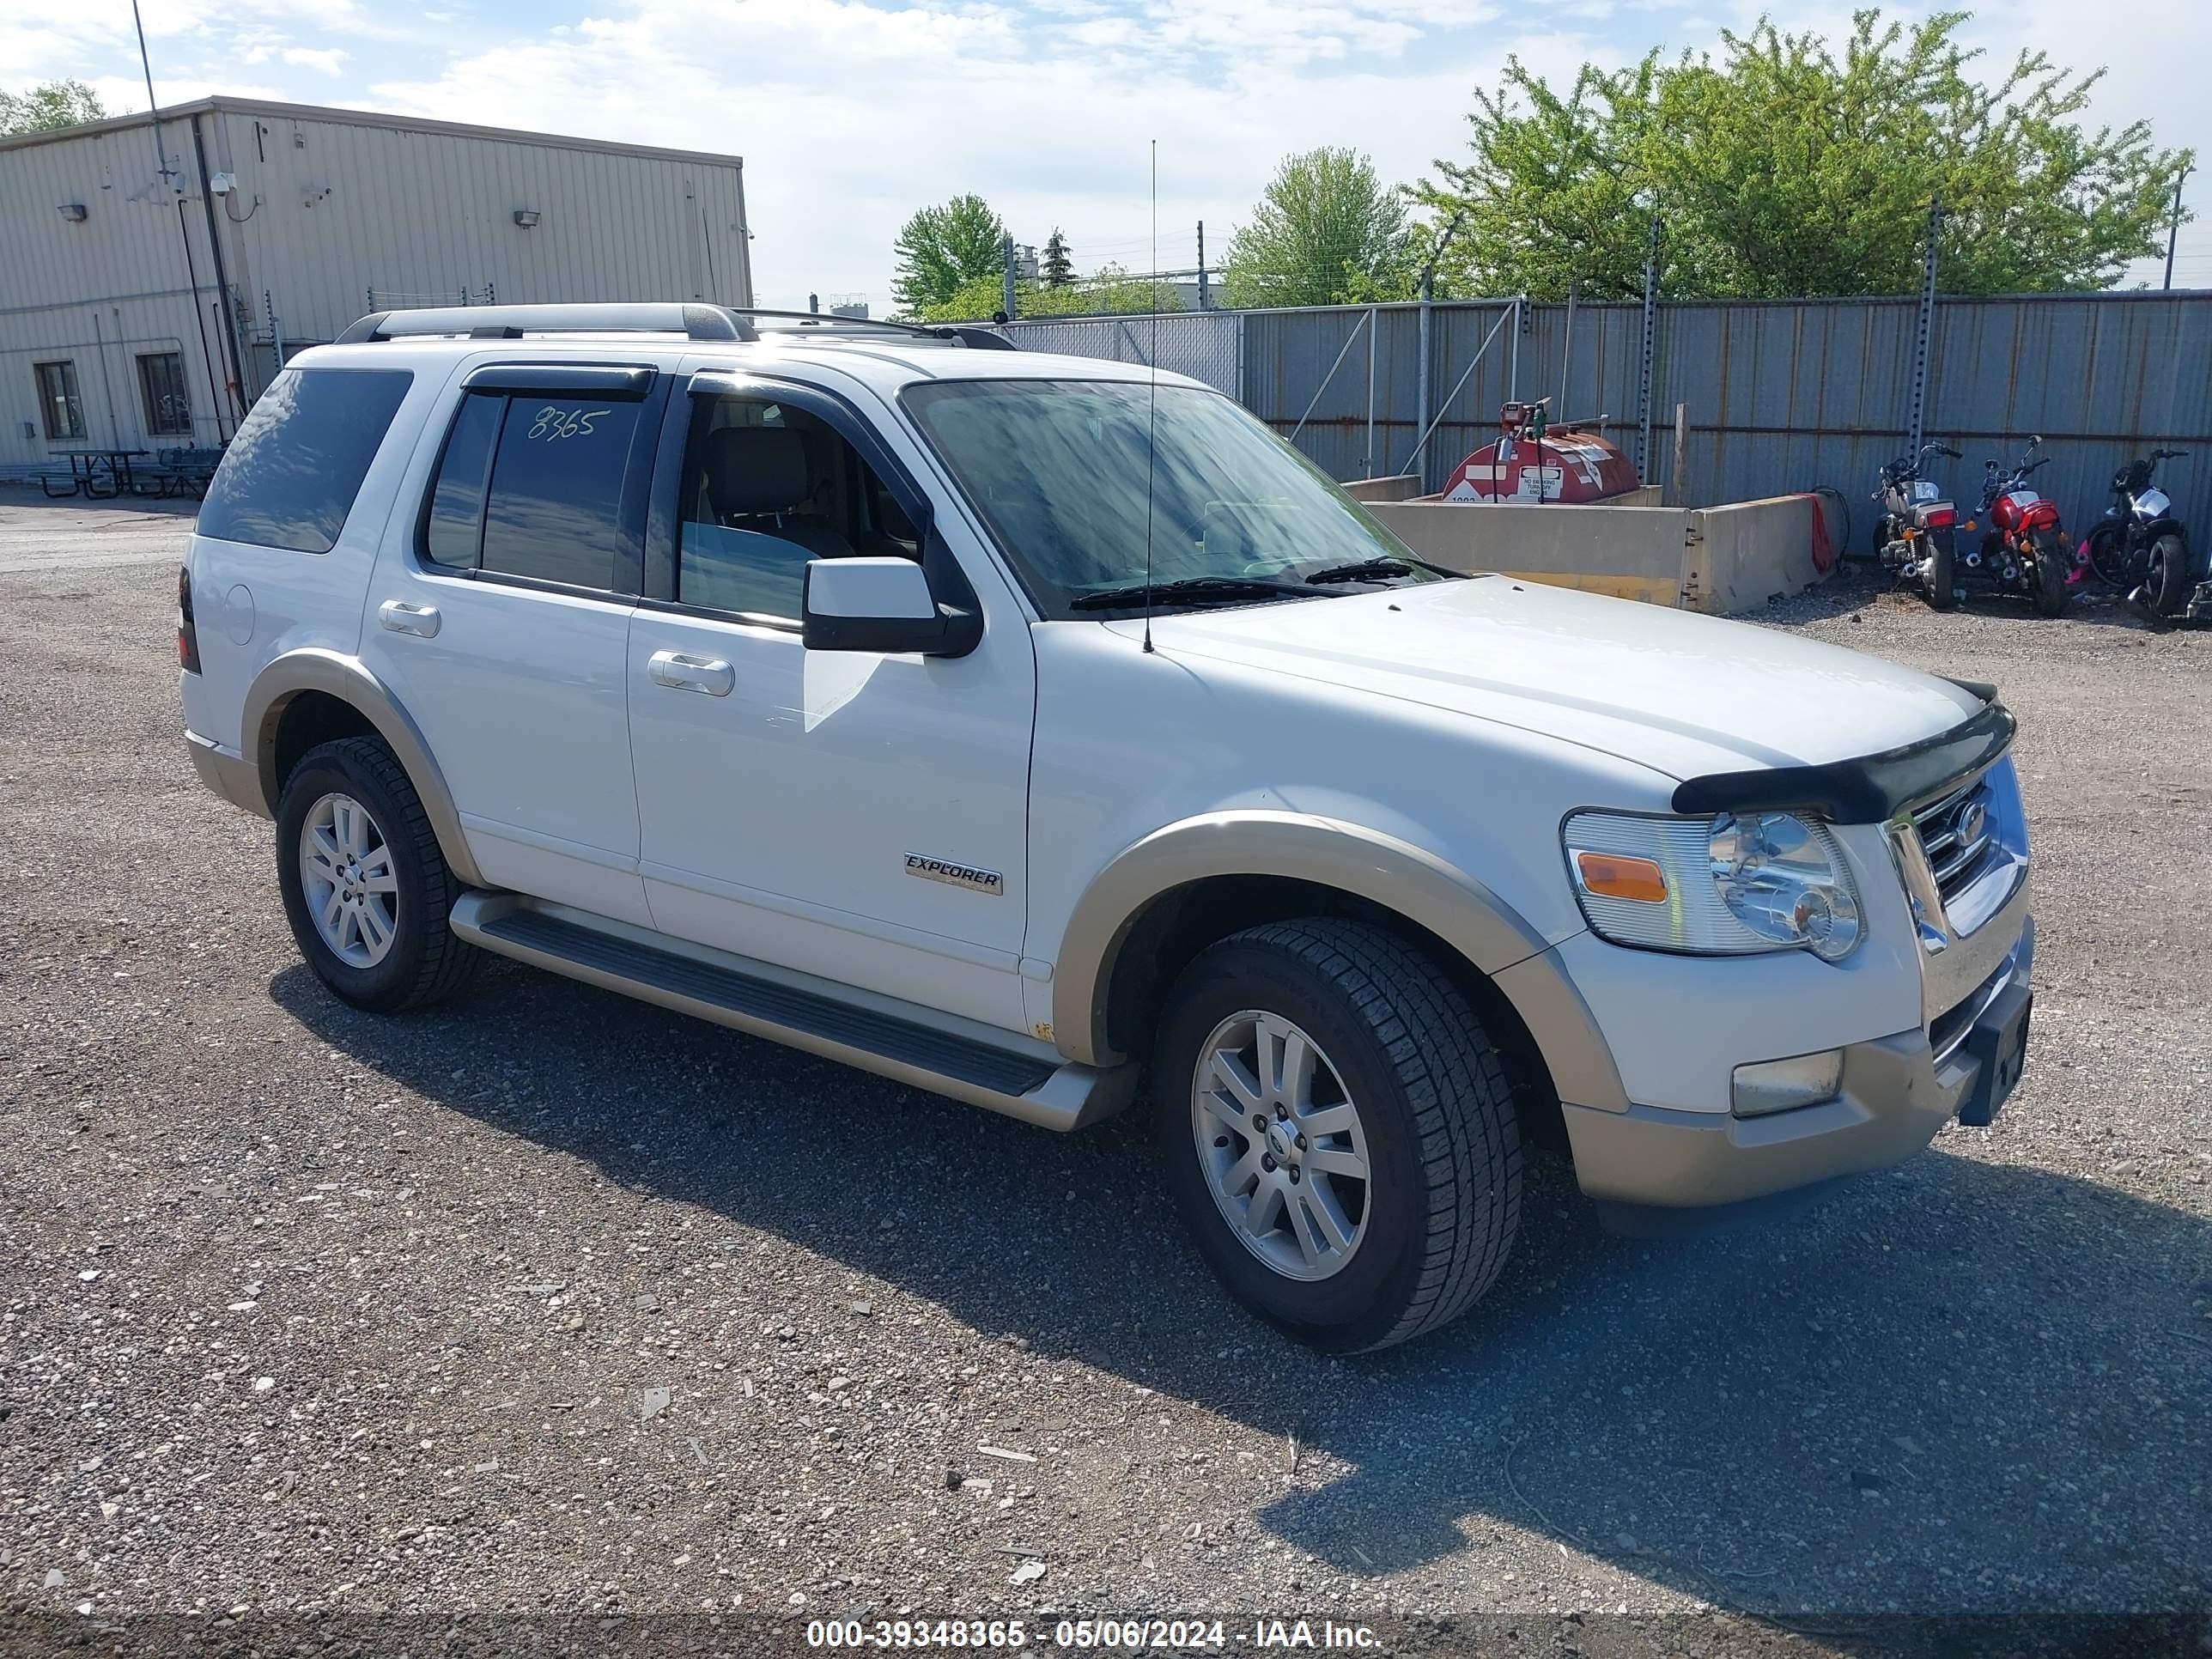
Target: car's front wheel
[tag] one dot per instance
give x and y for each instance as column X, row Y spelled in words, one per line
column 366, row 888
column 1338, row 1132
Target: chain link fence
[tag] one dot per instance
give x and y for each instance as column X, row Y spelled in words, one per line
column 1207, row 345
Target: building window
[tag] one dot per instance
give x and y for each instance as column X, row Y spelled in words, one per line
column 161, row 387
column 58, row 400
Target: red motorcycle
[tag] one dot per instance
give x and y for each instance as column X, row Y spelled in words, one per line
column 2023, row 550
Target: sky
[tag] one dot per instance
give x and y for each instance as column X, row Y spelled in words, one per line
column 852, row 113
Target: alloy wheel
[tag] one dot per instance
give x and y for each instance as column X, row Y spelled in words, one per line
column 347, row 877
column 1281, row 1145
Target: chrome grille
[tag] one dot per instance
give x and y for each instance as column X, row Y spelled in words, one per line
column 1956, row 833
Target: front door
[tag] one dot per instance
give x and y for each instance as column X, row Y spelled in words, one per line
column 856, row 815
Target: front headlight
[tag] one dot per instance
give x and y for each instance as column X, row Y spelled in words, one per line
column 1718, row 886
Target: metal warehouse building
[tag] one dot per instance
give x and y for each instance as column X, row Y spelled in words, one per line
column 145, row 302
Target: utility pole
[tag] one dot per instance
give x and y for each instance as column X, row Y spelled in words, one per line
column 1924, row 342
column 1006, row 255
column 1204, row 305
column 168, row 177
column 2173, row 229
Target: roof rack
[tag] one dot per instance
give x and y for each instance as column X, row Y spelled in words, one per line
column 976, row 336
column 720, row 324
column 697, row 322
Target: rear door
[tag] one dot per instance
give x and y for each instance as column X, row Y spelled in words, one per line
column 499, row 616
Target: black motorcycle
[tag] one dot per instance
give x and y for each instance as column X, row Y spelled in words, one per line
column 1915, row 533
column 2140, row 548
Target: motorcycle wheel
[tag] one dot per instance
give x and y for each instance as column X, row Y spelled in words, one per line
column 2166, row 583
column 2049, row 575
column 1941, row 574
column 2108, row 557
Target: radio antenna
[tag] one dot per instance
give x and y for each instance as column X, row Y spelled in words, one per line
column 1152, row 413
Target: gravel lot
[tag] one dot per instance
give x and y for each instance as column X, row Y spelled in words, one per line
column 548, row 1300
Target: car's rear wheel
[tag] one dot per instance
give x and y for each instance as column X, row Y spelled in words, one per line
column 1338, row 1132
column 366, row 888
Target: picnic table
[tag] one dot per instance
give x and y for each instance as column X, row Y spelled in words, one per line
column 103, row 474
column 86, row 468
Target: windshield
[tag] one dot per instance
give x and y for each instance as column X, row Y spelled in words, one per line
column 1065, row 473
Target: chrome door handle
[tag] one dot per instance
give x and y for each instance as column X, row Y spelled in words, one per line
column 681, row 673
column 401, row 617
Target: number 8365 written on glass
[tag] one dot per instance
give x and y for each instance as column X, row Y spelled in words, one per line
column 553, row 424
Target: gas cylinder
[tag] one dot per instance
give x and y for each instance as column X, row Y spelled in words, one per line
column 1532, row 462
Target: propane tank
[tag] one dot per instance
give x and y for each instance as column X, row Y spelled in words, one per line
column 1532, row 463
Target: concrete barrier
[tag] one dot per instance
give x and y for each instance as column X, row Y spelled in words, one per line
column 1407, row 487
column 1402, row 487
column 1715, row 559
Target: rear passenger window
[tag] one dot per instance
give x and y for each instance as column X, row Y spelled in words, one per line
column 556, row 500
column 290, row 475
column 531, row 486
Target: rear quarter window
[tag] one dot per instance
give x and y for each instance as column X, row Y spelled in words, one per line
column 290, row 475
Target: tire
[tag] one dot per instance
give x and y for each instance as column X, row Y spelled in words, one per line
column 2048, row 588
column 1942, row 580
column 2108, row 558
column 2166, row 586
column 401, row 900
column 1434, row 1129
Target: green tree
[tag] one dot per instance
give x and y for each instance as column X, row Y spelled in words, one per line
column 942, row 248
column 1325, row 231
column 1059, row 269
column 1785, row 168
column 52, row 104
column 1110, row 290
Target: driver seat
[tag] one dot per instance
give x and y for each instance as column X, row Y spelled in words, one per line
column 758, row 479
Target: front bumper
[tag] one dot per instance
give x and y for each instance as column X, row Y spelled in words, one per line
column 228, row 775
column 1898, row 1092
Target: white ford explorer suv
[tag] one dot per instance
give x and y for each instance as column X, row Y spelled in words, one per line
column 1047, row 734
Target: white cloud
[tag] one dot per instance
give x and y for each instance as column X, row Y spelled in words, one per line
column 850, row 116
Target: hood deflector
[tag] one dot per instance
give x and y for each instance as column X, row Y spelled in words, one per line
column 1868, row 790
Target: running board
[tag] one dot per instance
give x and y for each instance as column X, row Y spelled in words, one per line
column 796, row 1010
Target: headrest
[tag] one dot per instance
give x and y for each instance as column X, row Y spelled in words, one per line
column 755, row 469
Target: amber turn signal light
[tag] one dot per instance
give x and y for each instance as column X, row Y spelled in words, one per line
column 1614, row 875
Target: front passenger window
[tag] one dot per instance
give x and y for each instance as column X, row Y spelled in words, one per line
column 766, row 488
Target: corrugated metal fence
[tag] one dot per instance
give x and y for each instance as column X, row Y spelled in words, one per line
column 1782, row 395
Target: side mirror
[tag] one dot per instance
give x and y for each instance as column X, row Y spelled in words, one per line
column 885, row 605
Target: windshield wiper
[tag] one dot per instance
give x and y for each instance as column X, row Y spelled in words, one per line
column 1196, row 590
column 1384, row 568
